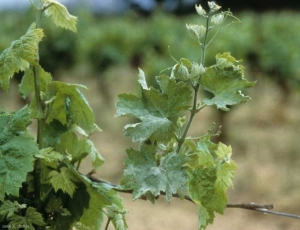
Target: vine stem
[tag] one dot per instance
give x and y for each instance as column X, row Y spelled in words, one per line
column 196, row 87
column 40, row 122
column 188, row 125
column 204, row 45
column 265, row 208
column 107, row 223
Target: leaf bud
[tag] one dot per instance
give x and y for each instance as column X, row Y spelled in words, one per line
column 182, row 72
column 213, row 6
column 223, row 63
column 200, row 10
column 197, row 70
column 198, row 31
column 217, row 19
column 181, row 121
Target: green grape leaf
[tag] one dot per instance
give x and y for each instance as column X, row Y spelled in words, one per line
column 76, row 206
column 60, row 15
column 8, row 208
column 210, row 174
column 142, row 174
column 70, row 144
column 202, row 192
column 102, row 197
column 50, row 157
column 31, row 217
column 174, row 97
column 225, row 174
column 55, row 205
column 117, row 217
column 96, row 157
column 224, row 152
column 142, row 79
column 204, row 218
column 64, row 180
column 69, row 106
column 20, row 55
column 225, row 81
column 89, row 202
column 152, row 126
column 79, row 148
column 13, row 124
column 154, row 108
column 92, row 217
column 52, row 132
column 27, row 84
column 17, row 149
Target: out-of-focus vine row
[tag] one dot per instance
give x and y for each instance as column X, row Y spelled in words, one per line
column 268, row 43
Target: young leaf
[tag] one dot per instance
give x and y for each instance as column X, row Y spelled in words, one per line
column 93, row 216
column 20, row 55
column 174, row 97
column 16, row 152
column 27, row 84
column 76, row 206
column 13, row 124
column 117, row 217
column 79, row 148
column 31, row 217
column 154, row 108
column 225, row 173
column 96, row 157
column 142, row 174
column 153, row 125
column 204, row 217
column 142, row 79
column 224, row 152
column 225, row 81
column 210, row 174
column 8, row 208
column 50, row 157
column 55, row 205
column 202, row 192
column 69, row 106
column 99, row 197
column 64, row 180
column 60, row 15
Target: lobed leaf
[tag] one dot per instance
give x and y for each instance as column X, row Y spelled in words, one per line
column 60, row 15
column 117, row 217
column 210, row 174
column 20, row 55
column 96, row 157
column 79, row 149
column 154, row 108
column 88, row 205
column 102, row 197
column 32, row 217
column 8, row 208
column 225, row 81
column 143, row 175
column 64, row 180
column 68, row 106
column 93, row 216
column 50, row 157
column 17, row 149
column 27, row 84
column 55, row 205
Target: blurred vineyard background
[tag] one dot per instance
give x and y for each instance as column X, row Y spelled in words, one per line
column 264, row 133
